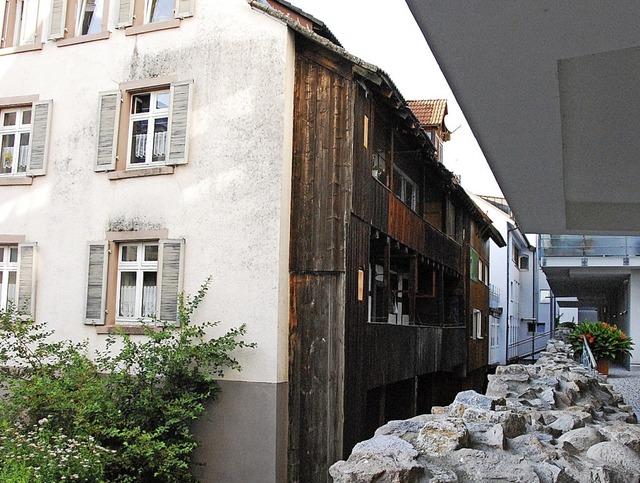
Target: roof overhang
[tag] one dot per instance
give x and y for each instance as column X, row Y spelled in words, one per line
column 551, row 92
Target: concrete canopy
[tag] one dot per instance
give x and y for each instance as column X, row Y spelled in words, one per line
column 551, row 92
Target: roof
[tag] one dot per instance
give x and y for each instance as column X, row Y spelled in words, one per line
column 430, row 112
column 395, row 100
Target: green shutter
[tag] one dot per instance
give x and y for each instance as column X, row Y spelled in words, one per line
column 125, row 13
column 178, row 122
column 26, row 277
column 40, row 127
column 170, row 278
column 184, row 8
column 58, row 17
column 96, row 284
column 108, row 117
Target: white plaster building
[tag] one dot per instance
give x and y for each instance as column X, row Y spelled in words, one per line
column 142, row 152
column 522, row 306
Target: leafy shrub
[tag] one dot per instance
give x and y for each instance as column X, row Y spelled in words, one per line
column 606, row 341
column 137, row 402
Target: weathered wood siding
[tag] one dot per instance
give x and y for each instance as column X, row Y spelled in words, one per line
column 321, row 178
column 316, row 365
column 321, row 196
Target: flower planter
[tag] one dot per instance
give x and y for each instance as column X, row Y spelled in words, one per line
column 602, row 366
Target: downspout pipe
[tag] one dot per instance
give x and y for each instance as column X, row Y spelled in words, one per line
column 510, row 228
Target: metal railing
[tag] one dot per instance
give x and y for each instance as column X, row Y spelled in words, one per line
column 528, row 348
column 587, row 359
column 589, row 246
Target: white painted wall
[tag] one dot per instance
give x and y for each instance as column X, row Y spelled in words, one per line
column 230, row 202
column 519, row 289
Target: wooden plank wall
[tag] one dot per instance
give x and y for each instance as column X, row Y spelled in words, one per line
column 321, row 177
column 321, row 189
column 316, row 341
column 356, row 348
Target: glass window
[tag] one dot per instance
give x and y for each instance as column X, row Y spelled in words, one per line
column 14, row 141
column 89, row 17
column 8, row 275
column 149, row 124
column 137, row 281
column 158, row 10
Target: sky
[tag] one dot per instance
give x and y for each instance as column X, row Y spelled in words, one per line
column 384, row 33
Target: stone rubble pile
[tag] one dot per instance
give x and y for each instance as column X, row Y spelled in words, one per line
column 549, row 422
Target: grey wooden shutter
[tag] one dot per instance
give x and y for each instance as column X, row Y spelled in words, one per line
column 26, row 277
column 58, row 17
column 125, row 13
column 96, row 284
column 179, row 122
column 184, row 8
column 39, row 138
column 169, row 278
column 108, row 117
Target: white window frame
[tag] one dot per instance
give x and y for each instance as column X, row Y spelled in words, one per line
column 477, row 324
column 148, row 11
column 7, row 267
column 80, row 14
column 19, row 18
column 139, row 267
column 17, row 130
column 151, row 116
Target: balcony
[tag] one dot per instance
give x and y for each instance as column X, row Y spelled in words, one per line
column 589, row 246
column 398, row 352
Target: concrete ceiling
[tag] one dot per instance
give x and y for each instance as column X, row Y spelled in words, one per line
column 551, row 91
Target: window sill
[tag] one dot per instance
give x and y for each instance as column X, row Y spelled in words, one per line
column 152, row 27
column 140, row 173
column 16, row 181
column 21, row 48
column 83, row 39
column 125, row 329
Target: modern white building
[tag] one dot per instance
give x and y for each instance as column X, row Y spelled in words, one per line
column 522, row 306
column 601, row 274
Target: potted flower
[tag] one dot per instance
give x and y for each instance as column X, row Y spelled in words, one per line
column 606, row 341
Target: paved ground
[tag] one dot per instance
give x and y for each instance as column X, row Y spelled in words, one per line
column 628, row 384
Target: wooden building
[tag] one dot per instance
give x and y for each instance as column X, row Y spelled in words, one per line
column 388, row 262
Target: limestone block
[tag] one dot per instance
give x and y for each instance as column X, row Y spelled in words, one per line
column 615, row 454
column 442, row 436
column 382, row 459
column 582, row 438
column 514, row 424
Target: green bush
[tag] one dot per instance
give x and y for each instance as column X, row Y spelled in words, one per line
column 606, row 341
column 138, row 402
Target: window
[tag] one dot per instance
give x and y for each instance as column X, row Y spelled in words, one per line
column 405, row 188
column 148, row 124
column 24, row 135
column 146, row 15
column 19, row 21
column 8, row 275
column 381, row 152
column 17, row 276
column 146, row 277
column 523, row 263
column 477, row 324
column 152, row 132
column 515, row 256
column 78, row 20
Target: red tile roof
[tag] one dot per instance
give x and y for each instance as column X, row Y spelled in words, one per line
column 430, row 112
